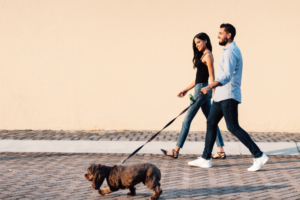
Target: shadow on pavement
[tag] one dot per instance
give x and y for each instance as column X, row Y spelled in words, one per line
column 196, row 192
column 286, row 151
column 277, row 169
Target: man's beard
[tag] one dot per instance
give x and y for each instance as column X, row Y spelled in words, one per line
column 224, row 42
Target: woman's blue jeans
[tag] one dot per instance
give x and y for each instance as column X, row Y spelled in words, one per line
column 203, row 103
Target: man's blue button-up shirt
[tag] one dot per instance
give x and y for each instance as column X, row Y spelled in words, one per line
column 229, row 73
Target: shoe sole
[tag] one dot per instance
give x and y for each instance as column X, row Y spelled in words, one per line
column 199, row 166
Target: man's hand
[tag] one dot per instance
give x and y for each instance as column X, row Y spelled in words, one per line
column 206, row 90
column 182, row 93
column 211, row 86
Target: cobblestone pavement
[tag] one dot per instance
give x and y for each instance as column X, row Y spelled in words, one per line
column 130, row 135
column 61, row 176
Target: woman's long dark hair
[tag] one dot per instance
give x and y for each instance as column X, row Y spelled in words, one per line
column 198, row 54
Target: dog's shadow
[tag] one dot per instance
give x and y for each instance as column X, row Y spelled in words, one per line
column 194, row 192
column 206, row 192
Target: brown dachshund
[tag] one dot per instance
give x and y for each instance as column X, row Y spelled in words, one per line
column 124, row 177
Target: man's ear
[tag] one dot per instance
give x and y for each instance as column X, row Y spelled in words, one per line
column 228, row 36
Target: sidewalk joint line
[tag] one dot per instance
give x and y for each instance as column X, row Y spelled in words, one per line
column 297, row 147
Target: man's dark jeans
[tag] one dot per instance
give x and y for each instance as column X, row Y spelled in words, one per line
column 229, row 109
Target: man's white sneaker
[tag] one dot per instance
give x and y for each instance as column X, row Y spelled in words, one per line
column 201, row 162
column 258, row 163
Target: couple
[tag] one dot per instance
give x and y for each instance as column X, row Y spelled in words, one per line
column 227, row 96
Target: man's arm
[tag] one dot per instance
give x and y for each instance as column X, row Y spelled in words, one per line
column 230, row 61
column 211, row 86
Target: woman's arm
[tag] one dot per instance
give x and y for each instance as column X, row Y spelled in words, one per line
column 209, row 60
column 183, row 92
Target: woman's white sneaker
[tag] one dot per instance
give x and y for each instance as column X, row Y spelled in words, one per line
column 259, row 163
column 201, row 162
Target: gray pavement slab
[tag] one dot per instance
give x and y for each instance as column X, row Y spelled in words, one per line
column 87, row 146
column 61, row 176
column 126, row 141
column 272, row 148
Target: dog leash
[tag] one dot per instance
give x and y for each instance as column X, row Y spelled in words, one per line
column 200, row 95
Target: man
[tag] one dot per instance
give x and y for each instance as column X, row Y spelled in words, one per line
column 226, row 100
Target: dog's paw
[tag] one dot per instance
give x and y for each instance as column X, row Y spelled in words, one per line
column 101, row 192
column 153, row 198
column 131, row 194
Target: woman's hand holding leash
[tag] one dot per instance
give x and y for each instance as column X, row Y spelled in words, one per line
column 183, row 92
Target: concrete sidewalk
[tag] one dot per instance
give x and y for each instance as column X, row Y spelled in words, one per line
column 64, row 146
column 127, row 141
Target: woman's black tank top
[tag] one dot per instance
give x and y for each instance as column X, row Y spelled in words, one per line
column 202, row 72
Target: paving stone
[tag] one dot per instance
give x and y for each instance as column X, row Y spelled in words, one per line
column 131, row 135
column 61, row 176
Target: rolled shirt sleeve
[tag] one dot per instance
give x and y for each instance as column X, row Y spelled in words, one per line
column 229, row 62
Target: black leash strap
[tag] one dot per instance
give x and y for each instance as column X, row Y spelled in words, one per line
column 154, row 136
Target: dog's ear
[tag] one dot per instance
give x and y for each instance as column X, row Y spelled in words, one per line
column 97, row 180
column 98, row 175
column 95, row 184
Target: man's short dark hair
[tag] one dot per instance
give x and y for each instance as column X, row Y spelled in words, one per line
column 229, row 29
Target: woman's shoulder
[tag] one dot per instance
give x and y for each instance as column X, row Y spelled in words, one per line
column 208, row 57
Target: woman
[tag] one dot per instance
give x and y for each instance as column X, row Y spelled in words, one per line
column 203, row 61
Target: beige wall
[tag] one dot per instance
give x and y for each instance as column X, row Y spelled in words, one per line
column 119, row 64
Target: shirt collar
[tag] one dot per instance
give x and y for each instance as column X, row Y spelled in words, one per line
column 228, row 46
